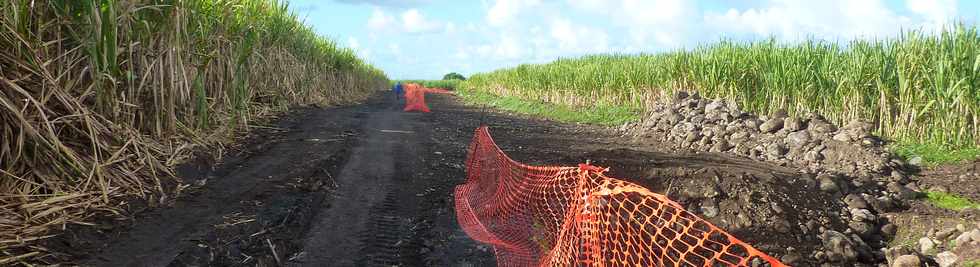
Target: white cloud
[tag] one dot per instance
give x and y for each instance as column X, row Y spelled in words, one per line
column 450, row 27
column 461, row 54
column 414, row 22
column 649, row 23
column 392, row 3
column 937, row 13
column 380, row 21
column 796, row 20
column 353, row 43
column 508, row 47
column 409, row 21
column 395, row 49
column 505, row 12
column 575, row 38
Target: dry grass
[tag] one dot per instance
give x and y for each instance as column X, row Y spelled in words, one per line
column 99, row 99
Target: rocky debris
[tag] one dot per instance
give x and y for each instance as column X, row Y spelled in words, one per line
column 926, row 245
column 855, row 201
column 939, row 247
column 946, row 259
column 892, row 253
column 862, row 215
column 839, row 247
column 907, row 261
column 889, row 230
column 968, row 237
column 810, row 141
column 772, row 125
column 848, row 163
column 916, row 161
column 827, row 183
column 945, row 234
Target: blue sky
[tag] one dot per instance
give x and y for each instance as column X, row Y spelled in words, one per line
column 425, row 39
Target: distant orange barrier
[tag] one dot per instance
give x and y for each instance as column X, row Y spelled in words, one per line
column 415, row 96
column 576, row 216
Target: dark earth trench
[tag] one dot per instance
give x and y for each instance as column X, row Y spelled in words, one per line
column 371, row 185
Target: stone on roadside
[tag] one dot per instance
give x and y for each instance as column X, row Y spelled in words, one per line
column 889, row 230
column 916, row 161
column 827, row 183
column 792, row 124
column 945, row 234
column 926, row 245
column 946, row 259
column 901, row 191
column 839, row 247
column 798, row 139
column 772, row 125
column 862, row 215
column 907, row 261
column 855, row 201
column 721, row 146
column 714, row 106
column 892, row 253
column 967, row 237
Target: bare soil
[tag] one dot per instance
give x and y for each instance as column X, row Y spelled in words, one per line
column 370, row 185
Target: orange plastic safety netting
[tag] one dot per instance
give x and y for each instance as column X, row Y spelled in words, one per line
column 572, row 216
column 415, row 97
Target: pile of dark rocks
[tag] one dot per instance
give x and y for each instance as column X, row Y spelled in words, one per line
column 848, row 162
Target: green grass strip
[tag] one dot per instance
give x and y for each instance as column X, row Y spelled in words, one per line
column 933, row 154
column 950, row 201
column 600, row 114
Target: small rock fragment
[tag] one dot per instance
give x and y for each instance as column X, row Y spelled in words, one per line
column 798, row 139
column 889, row 230
column 827, row 183
column 907, row 261
column 772, row 125
column 709, row 208
column 916, row 161
column 855, row 201
column 839, row 247
column 946, row 259
column 775, row 150
column 892, row 253
column 862, row 215
column 967, row 237
column 926, row 245
column 792, row 124
column 945, row 234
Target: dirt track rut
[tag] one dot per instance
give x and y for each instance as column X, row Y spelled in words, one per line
column 362, row 185
column 368, row 196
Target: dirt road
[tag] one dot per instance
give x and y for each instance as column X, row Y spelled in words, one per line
column 370, row 185
column 364, row 185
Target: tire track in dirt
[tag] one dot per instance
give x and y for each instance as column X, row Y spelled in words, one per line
column 374, row 193
column 385, row 233
column 364, row 185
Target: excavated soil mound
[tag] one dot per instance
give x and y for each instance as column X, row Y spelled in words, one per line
column 809, row 190
column 772, row 207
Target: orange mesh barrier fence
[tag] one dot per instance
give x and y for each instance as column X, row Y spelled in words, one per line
column 415, row 98
column 576, row 216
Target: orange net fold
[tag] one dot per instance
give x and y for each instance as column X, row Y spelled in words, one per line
column 415, row 98
column 576, row 216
